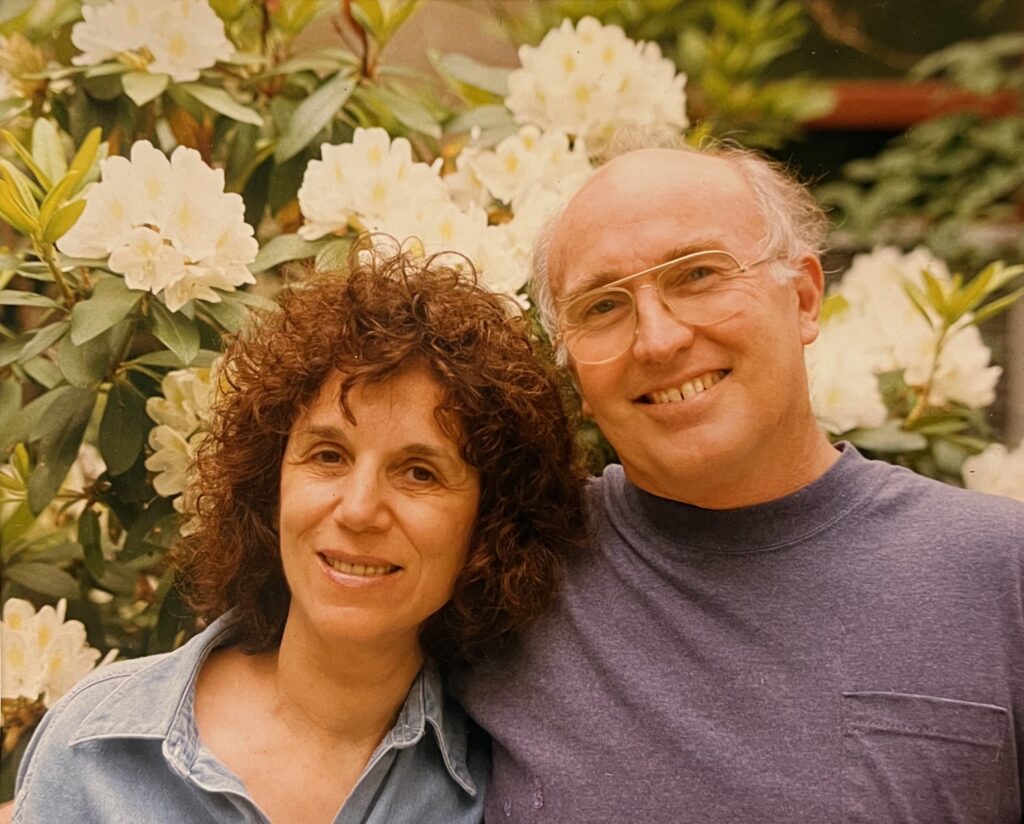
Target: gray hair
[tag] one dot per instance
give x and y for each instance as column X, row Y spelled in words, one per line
column 794, row 224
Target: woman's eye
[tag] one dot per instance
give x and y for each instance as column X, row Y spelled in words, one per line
column 421, row 474
column 328, row 456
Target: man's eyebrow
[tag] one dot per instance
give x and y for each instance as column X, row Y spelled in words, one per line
column 595, row 280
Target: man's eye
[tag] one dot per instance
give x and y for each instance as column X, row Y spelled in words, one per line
column 602, row 306
column 687, row 275
column 328, row 456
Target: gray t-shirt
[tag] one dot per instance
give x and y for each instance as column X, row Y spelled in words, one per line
column 853, row 652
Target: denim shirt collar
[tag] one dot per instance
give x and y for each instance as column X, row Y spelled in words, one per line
column 161, row 706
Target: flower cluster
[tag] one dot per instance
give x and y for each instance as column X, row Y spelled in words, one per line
column 525, row 162
column 173, row 37
column 373, row 184
column 167, row 225
column 878, row 329
column 589, row 80
column 179, row 414
column 43, row 655
column 997, row 471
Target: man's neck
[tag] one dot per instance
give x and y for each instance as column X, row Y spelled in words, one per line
column 753, row 479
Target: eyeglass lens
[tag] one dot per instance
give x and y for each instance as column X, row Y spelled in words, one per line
column 699, row 289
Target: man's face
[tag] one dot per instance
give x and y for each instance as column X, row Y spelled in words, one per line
column 721, row 446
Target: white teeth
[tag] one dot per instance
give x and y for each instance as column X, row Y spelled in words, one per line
column 691, row 389
column 362, row 570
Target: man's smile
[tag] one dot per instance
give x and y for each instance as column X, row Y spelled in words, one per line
column 688, row 389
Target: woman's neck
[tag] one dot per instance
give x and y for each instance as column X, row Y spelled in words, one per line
column 343, row 691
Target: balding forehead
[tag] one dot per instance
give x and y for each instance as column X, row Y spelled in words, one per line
column 628, row 184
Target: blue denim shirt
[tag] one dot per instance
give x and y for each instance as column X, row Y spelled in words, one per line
column 123, row 746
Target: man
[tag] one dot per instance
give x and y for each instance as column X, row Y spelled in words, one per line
column 768, row 629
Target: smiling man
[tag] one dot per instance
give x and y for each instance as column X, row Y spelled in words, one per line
column 769, row 628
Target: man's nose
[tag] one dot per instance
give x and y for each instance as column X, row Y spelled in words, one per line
column 361, row 504
column 659, row 333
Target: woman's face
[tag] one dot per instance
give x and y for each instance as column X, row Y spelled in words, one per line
column 375, row 517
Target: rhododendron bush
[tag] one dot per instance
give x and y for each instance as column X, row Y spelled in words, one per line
column 162, row 165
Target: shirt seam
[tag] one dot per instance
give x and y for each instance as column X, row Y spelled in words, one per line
column 857, row 502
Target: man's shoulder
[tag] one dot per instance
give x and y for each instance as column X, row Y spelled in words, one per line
column 944, row 505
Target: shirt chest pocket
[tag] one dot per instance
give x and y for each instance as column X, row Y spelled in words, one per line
column 914, row 758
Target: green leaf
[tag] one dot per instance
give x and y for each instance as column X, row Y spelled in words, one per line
column 222, row 103
column 55, row 198
column 467, row 71
column 157, row 517
column 15, row 297
column 12, row 212
column 142, row 87
column 85, row 364
column 165, row 358
column 919, row 301
column 494, row 122
column 333, row 256
column 936, row 295
column 62, row 221
column 35, row 420
column 110, row 303
column 57, row 452
column 47, row 149
column 1005, row 274
column 10, row 402
column 50, row 551
column 44, row 579
column 92, row 544
column 43, row 371
column 16, row 524
column 949, row 456
column 28, row 192
column 409, row 112
column 43, row 339
column 123, row 428
column 175, row 331
column 974, row 292
column 315, row 112
column 282, row 249
column 887, row 438
column 990, row 310
column 85, row 157
column 27, row 159
column 230, row 316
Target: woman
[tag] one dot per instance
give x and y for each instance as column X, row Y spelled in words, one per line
column 388, row 487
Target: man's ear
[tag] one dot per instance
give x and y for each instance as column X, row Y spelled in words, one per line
column 585, row 408
column 810, row 290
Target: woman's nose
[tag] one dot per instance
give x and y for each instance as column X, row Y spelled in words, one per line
column 659, row 333
column 361, row 504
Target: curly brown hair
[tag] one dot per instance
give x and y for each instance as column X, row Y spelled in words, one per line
column 502, row 404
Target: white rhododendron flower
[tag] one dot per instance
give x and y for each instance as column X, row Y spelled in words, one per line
column 893, row 335
column 7, row 87
column 357, row 184
column 527, row 160
column 176, row 37
column 167, row 225
column 590, row 79
column 997, row 471
column 843, row 384
column 43, row 655
column 179, row 414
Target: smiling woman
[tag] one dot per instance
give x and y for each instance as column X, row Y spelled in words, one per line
column 388, row 489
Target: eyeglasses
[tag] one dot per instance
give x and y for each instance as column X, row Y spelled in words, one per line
column 698, row 289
